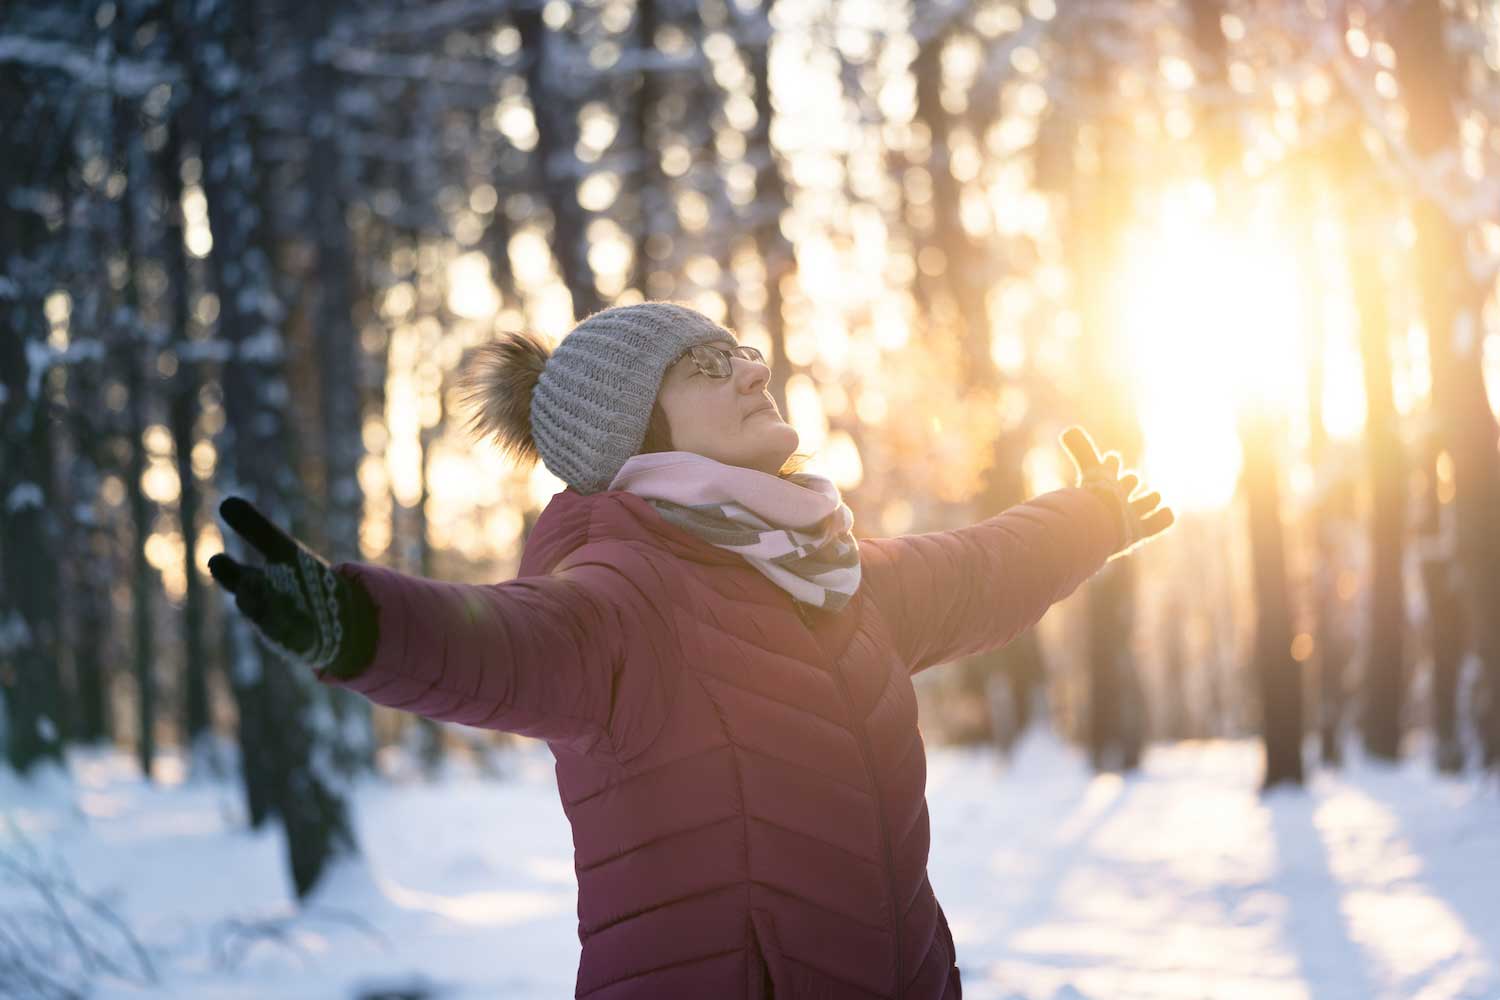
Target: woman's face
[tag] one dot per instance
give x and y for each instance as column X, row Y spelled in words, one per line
column 731, row 420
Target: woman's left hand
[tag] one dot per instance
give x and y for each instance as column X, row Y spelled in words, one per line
column 1139, row 519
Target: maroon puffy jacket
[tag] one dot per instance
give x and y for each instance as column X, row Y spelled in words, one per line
column 743, row 774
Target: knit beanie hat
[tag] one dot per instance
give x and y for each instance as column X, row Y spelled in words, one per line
column 583, row 407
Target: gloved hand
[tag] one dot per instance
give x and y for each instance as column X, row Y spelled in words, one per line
column 298, row 605
column 1138, row 519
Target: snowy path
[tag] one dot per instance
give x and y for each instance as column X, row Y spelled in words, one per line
column 1182, row 882
column 1179, row 882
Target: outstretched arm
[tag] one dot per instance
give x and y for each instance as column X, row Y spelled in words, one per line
column 951, row 594
column 575, row 657
column 543, row 656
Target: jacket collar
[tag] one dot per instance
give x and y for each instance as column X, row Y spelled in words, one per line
column 571, row 519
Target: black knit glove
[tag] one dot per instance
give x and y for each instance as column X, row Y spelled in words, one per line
column 299, row 606
column 1137, row 520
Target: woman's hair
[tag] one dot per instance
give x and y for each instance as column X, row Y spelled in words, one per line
column 658, row 434
column 497, row 379
column 794, row 463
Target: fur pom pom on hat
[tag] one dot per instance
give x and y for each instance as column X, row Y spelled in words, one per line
column 496, row 384
column 583, row 407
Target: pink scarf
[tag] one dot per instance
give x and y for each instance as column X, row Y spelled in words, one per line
column 794, row 530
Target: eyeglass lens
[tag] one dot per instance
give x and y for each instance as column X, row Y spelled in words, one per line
column 715, row 361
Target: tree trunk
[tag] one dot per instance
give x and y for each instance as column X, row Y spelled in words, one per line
column 29, row 607
column 967, row 271
column 1447, row 624
column 1117, row 725
column 1012, row 680
column 421, row 559
column 656, row 219
column 1453, row 301
column 131, row 349
column 966, row 268
column 1332, row 515
column 1279, row 677
column 183, row 408
column 30, row 613
column 337, row 348
column 192, row 354
column 555, row 108
column 1383, row 684
column 1115, row 729
column 89, row 545
column 777, row 254
column 284, row 722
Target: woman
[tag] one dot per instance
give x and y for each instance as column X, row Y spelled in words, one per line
column 721, row 671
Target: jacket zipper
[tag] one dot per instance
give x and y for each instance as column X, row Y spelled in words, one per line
column 885, row 834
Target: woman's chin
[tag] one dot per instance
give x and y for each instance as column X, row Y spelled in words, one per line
column 787, row 433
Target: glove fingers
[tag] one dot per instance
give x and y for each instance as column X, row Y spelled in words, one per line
column 253, row 597
column 1080, row 448
column 1141, row 513
column 1158, row 522
column 226, row 572
column 273, row 613
column 251, row 525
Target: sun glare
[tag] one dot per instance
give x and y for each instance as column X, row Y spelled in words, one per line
column 1211, row 327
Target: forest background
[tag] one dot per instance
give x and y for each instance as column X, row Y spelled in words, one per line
column 1252, row 248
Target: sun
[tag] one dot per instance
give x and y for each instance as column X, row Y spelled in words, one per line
column 1211, row 327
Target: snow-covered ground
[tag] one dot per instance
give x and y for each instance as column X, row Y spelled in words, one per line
column 1179, row 882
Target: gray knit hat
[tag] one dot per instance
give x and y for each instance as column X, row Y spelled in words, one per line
column 584, row 407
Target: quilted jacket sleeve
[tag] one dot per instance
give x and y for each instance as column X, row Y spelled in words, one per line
column 951, row 594
column 575, row 657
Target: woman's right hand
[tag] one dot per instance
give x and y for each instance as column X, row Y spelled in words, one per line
column 1138, row 519
column 297, row 604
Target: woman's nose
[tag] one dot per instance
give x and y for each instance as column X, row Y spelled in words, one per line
column 751, row 375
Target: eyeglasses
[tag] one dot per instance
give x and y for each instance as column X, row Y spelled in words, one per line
column 715, row 361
